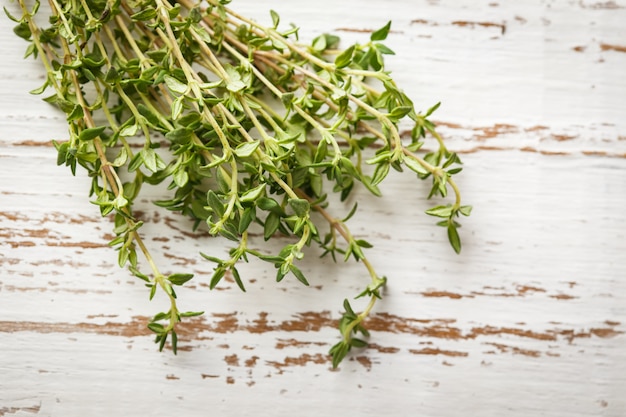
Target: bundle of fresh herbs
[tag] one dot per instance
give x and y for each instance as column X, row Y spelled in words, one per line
column 247, row 126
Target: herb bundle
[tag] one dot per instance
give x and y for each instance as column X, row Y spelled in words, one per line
column 247, row 126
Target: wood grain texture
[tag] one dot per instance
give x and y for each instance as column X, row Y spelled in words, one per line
column 528, row 320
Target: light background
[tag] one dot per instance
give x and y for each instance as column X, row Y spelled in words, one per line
column 527, row 321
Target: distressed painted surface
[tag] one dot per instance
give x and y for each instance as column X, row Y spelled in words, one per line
column 528, row 320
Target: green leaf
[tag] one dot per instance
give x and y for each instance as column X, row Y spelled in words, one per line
column 148, row 114
column 174, row 85
column 280, row 274
column 75, row 64
column 235, row 85
column 195, row 15
column 276, row 260
column 294, row 30
column 381, row 34
column 179, row 134
column 338, row 352
column 192, row 313
column 453, row 237
column 272, row 222
column 146, row 14
column 440, row 183
column 174, row 12
column 380, row 157
column 247, row 218
column 161, row 339
column 253, row 194
column 345, row 58
column 212, row 258
column 112, row 76
column 364, row 244
column 367, row 181
column 351, row 213
column 223, row 183
column 229, row 231
column 135, row 162
column 160, row 316
column 415, row 166
column 348, row 307
column 177, row 107
column 122, row 257
column 399, row 112
column 94, row 60
column 152, row 160
column 319, row 43
column 452, row 158
column 440, row 211
column 246, row 149
column 215, row 203
column 355, row 250
column 380, row 172
column 373, row 288
column 91, row 133
column 179, row 279
column 121, row 158
column 384, row 50
column 10, row 16
column 153, row 289
column 465, row 210
column 119, row 202
column 77, row 113
column 169, row 290
column 180, row 177
column 202, row 32
column 217, row 277
column 191, row 120
column 41, row 89
column 88, row 74
column 138, row 274
column 237, row 278
column 156, row 327
column 174, row 342
column 300, row 206
column 275, row 18
column 268, row 204
column 129, row 130
column 348, row 167
column 23, row 31
column 298, row 273
column 432, row 109
column 62, row 151
column 358, row 343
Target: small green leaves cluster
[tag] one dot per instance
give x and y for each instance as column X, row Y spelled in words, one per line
column 250, row 130
column 173, row 316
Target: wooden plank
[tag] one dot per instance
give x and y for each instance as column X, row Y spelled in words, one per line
column 528, row 320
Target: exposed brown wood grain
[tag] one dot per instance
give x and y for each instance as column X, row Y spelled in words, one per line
column 615, row 48
column 533, row 300
column 6, row 411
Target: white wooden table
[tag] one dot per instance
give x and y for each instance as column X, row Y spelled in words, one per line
column 528, row 321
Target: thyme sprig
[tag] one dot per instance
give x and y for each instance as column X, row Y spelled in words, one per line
column 246, row 125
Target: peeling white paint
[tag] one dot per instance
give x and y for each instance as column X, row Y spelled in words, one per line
column 529, row 320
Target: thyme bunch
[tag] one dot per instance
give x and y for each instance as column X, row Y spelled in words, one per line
column 246, row 125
